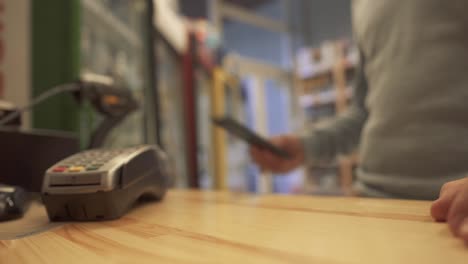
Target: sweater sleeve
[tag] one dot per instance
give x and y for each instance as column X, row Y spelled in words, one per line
column 340, row 135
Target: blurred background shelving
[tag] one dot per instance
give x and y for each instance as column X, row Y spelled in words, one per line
column 279, row 66
column 115, row 41
column 102, row 37
column 325, row 75
column 293, row 72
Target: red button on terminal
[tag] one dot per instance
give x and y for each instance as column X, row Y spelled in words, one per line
column 59, row 169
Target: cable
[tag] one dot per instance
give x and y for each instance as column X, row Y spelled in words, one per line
column 70, row 87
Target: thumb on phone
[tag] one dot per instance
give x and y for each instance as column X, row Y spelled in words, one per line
column 269, row 161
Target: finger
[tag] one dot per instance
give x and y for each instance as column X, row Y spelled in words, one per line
column 278, row 168
column 265, row 160
column 268, row 166
column 279, row 140
column 458, row 211
column 260, row 161
column 293, row 146
column 463, row 231
column 441, row 207
column 271, row 162
column 283, row 142
column 270, row 158
column 258, row 156
column 283, row 166
column 254, row 153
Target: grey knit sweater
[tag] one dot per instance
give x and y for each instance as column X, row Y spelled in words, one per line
column 409, row 117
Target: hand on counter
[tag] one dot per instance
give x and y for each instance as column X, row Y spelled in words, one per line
column 268, row 161
column 452, row 207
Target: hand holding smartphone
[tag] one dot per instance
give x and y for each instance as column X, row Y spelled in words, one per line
column 244, row 133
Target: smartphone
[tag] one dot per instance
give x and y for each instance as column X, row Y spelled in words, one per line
column 244, row 133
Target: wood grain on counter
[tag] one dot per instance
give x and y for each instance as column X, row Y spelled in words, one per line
column 221, row 227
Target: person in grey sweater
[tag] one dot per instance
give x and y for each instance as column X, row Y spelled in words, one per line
column 409, row 116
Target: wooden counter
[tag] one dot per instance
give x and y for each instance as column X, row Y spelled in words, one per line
column 209, row 227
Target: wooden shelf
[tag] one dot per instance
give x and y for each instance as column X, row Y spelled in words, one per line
column 312, row 84
column 347, row 65
column 336, row 79
column 326, row 78
column 322, row 98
